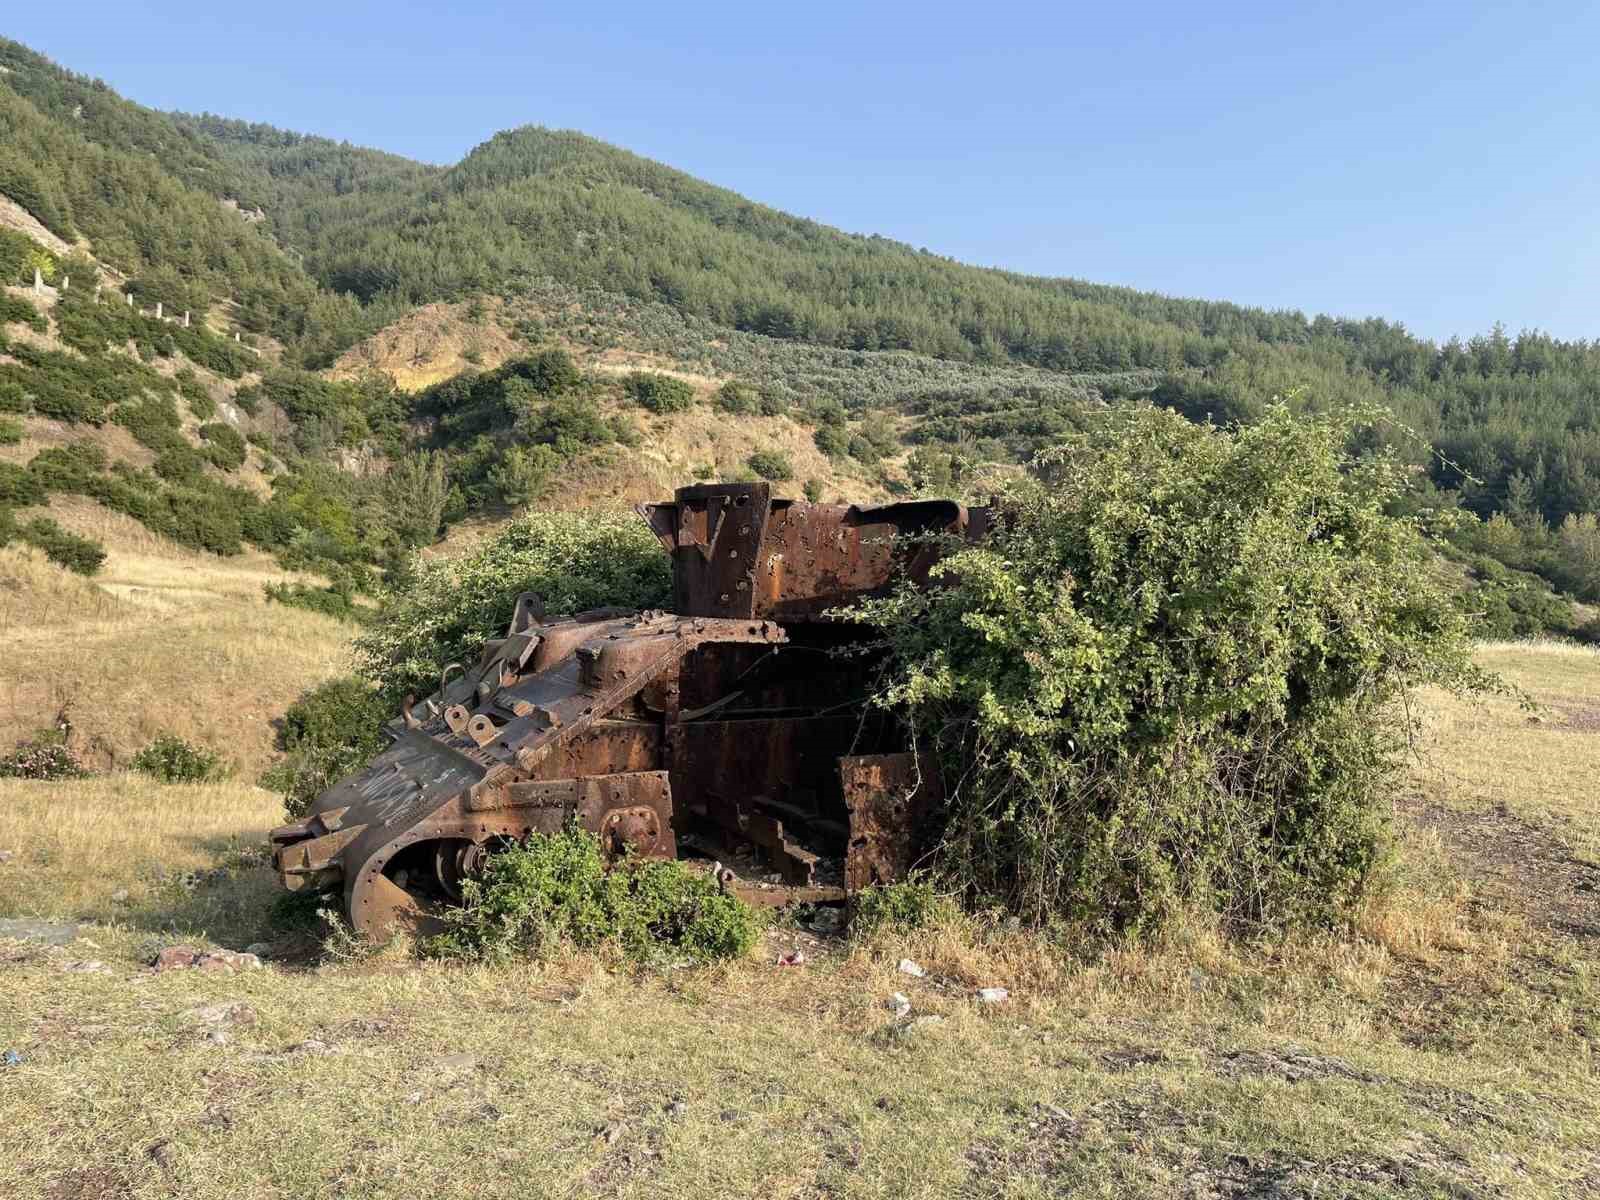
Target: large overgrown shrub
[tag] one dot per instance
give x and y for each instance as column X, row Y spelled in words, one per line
column 574, row 560
column 1175, row 674
column 555, row 889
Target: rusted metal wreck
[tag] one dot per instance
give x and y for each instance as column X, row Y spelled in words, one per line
column 729, row 727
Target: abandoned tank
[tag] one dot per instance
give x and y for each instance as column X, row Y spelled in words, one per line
column 731, row 728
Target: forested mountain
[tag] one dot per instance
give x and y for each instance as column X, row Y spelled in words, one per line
column 349, row 238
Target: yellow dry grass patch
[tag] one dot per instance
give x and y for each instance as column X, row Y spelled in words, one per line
column 431, row 344
column 44, row 433
column 80, row 841
column 1541, row 765
column 157, row 644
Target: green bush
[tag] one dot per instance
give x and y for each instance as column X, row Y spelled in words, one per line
column 1175, row 674
column 173, row 760
column 555, row 889
column 910, row 904
column 19, row 487
column 771, row 464
column 813, row 491
column 333, row 601
column 659, row 393
column 67, row 468
column 10, row 431
column 224, row 446
column 329, row 732
column 832, row 441
column 16, row 308
column 80, row 554
column 735, row 397
column 574, row 560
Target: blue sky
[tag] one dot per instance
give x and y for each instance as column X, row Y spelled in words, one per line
column 1436, row 164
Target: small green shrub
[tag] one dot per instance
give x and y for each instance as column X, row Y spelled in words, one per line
column 173, row 760
column 735, row 397
column 80, row 554
column 832, row 441
column 224, row 445
column 813, row 491
column 910, row 904
column 555, row 889
column 773, row 465
column 334, row 601
column 18, row 487
column 659, row 393
column 22, row 311
column 10, row 431
column 67, row 468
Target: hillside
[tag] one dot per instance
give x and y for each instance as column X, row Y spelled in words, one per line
column 853, row 355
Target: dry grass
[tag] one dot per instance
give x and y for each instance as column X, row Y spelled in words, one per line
column 1445, row 1046
column 1540, row 766
column 158, row 643
column 78, row 842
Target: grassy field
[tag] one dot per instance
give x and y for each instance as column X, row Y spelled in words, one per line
column 1444, row 1046
column 159, row 642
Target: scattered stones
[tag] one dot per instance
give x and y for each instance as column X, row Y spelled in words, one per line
column 229, row 1013
column 1294, row 1064
column 11, row 1058
column 51, row 933
column 259, row 949
column 827, row 920
column 678, row 1109
column 899, row 1004
column 993, row 995
column 218, row 1037
column 907, row 967
column 174, row 958
column 163, row 1154
column 7, row 855
column 795, row 958
column 120, row 896
column 86, row 966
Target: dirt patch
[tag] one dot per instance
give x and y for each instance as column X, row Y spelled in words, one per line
column 430, row 344
column 1292, row 1064
column 1517, row 867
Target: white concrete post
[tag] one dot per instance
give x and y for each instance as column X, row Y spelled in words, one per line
column 158, row 310
column 236, row 335
column 65, row 279
column 130, row 298
column 186, row 318
column 38, row 282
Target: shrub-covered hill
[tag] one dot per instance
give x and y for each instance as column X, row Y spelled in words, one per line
column 321, row 244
